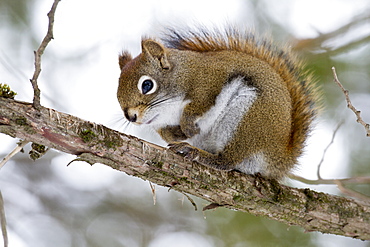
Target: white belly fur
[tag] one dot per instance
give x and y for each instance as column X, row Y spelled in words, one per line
column 219, row 124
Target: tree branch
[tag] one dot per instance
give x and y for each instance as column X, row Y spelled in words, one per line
column 16, row 150
column 38, row 53
column 318, row 43
column 353, row 180
column 318, row 173
column 314, row 211
column 3, row 222
column 350, row 105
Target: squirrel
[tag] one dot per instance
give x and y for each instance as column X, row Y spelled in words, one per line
column 222, row 98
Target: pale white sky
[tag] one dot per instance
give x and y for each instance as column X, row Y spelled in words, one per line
column 99, row 30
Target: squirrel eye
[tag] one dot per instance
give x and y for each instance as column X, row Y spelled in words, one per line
column 147, row 85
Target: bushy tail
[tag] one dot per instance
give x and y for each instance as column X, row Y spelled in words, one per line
column 300, row 84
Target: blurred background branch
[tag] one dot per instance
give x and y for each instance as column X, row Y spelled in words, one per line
column 322, row 43
column 3, row 222
column 350, row 105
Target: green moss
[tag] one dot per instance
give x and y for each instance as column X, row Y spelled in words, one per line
column 184, row 179
column 109, row 144
column 237, row 198
column 87, row 135
column 38, row 147
column 113, row 141
column 5, row 92
column 339, row 206
column 204, row 187
column 316, row 197
column 276, row 194
column 37, row 151
column 164, row 173
column 21, row 121
column 92, row 134
column 158, row 164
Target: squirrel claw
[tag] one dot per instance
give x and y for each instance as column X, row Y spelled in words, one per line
column 185, row 149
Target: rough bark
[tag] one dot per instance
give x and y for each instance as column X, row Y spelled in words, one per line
column 314, row 211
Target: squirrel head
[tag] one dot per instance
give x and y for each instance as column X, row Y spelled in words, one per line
column 145, row 89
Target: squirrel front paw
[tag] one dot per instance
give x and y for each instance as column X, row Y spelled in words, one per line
column 172, row 133
column 185, row 149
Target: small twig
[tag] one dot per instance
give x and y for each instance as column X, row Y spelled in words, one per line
column 340, row 183
column 48, row 37
column 152, row 187
column 16, row 150
column 351, row 193
column 212, row 206
column 354, row 180
column 326, row 149
column 191, row 201
column 350, row 106
column 3, row 221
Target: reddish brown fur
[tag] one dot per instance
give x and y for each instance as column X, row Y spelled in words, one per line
column 299, row 84
column 271, row 134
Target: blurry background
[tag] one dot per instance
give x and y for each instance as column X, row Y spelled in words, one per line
column 50, row 204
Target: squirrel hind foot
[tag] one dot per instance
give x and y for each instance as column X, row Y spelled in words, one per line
column 200, row 156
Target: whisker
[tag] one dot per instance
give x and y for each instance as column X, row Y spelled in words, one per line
column 159, row 101
column 119, row 122
column 126, row 126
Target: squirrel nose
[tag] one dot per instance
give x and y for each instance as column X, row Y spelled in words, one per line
column 130, row 117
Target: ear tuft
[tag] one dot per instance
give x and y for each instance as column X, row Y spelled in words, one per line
column 157, row 51
column 124, row 58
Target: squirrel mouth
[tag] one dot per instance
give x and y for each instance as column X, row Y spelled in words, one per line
column 151, row 120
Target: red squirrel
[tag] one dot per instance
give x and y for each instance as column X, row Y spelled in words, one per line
column 225, row 99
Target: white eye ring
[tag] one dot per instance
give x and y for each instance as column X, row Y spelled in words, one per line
column 147, row 85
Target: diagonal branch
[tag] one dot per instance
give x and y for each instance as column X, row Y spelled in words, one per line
column 318, row 43
column 350, row 105
column 12, row 153
column 314, row 211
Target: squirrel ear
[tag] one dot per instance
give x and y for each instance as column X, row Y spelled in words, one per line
column 157, row 51
column 124, row 58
